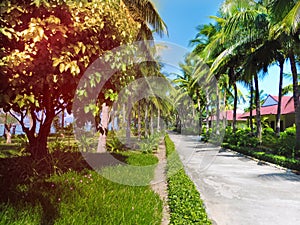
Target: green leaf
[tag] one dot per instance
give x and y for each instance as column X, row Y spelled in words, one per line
column 56, row 61
column 86, row 108
column 76, row 49
column 124, row 67
column 31, row 98
column 61, row 67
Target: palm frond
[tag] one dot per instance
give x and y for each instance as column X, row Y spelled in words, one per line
column 286, row 14
column 144, row 11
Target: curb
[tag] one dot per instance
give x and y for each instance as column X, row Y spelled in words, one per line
column 296, row 172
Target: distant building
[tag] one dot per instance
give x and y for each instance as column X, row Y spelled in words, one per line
column 241, row 122
column 269, row 111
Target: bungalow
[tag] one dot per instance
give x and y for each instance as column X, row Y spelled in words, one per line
column 228, row 116
column 269, row 111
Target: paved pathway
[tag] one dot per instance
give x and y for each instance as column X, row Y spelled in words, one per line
column 237, row 190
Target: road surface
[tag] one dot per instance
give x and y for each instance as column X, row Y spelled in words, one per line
column 237, row 190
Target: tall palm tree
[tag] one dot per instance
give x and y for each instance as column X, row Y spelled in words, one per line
column 286, row 29
column 188, row 86
column 236, row 15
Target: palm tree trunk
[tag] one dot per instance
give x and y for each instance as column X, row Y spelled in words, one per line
column 158, row 119
column 151, row 120
column 129, row 118
column 251, row 106
column 200, row 115
column 139, row 121
column 218, row 110
column 258, row 116
column 281, row 63
column 296, row 100
column 207, row 113
column 146, row 120
column 234, row 107
column 124, row 115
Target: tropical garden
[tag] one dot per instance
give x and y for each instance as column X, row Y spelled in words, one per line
column 50, row 53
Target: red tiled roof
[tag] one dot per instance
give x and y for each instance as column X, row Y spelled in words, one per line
column 228, row 114
column 287, row 107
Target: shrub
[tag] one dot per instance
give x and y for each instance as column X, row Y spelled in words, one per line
column 287, row 142
column 186, row 206
column 113, row 143
column 149, row 144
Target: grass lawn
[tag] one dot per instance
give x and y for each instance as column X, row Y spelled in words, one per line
column 63, row 189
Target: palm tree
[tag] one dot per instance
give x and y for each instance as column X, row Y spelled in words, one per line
column 236, row 17
column 247, row 29
column 285, row 28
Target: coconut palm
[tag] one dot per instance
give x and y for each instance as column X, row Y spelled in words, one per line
column 188, row 86
column 286, row 28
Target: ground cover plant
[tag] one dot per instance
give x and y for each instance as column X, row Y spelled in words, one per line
column 186, row 206
column 277, row 150
column 63, row 189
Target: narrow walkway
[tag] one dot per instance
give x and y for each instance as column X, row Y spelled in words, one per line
column 237, row 190
column 159, row 183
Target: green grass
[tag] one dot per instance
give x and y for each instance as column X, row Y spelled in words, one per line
column 49, row 192
column 186, row 206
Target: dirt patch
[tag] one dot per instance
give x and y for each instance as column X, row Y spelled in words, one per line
column 159, row 183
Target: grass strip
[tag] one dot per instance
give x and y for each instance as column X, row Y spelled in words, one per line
column 80, row 197
column 186, row 206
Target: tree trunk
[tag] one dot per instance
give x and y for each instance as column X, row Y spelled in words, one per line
column 124, row 115
column 151, row 120
column 103, row 129
column 258, row 116
column 234, row 107
column 139, row 121
column 112, row 120
column 63, row 119
column 158, row 120
column 207, row 113
column 38, row 143
column 146, row 120
column 7, row 130
column 281, row 63
column 128, row 122
column 200, row 114
column 296, row 100
column 218, row 110
column 251, row 106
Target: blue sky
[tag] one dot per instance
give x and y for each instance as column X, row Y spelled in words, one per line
column 182, row 18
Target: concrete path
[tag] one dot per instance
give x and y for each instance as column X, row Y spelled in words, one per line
column 237, row 190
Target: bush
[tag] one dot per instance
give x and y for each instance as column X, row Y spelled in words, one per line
column 186, row 206
column 242, row 137
column 272, row 149
column 148, row 145
column 113, row 144
column 287, row 142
